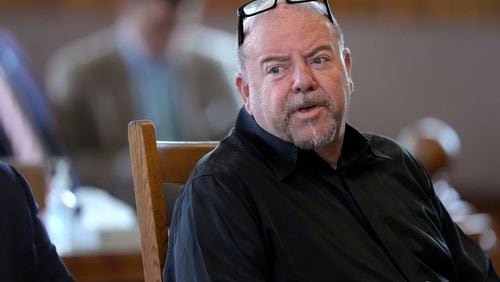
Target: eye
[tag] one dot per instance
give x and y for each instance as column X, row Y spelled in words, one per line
column 275, row 70
column 319, row 60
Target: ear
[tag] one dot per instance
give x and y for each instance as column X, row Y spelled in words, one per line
column 243, row 90
column 346, row 53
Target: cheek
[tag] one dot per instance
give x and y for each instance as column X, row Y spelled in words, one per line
column 260, row 102
column 337, row 89
column 341, row 100
column 274, row 100
column 267, row 107
column 267, row 96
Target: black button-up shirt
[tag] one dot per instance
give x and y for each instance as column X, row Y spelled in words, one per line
column 260, row 209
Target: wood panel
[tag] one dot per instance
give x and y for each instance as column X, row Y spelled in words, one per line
column 477, row 10
column 72, row 4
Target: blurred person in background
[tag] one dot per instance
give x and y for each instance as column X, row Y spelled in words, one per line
column 143, row 67
column 28, row 137
column 18, row 139
column 27, row 252
column 437, row 145
column 27, row 129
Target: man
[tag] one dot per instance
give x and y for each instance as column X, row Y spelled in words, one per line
column 296, row 194
column 27, row 253
column 134, row 70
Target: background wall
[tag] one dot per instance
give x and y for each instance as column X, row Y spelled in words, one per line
column 405, row 71
column 410, row 59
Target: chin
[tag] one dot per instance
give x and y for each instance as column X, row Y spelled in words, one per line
column 312, row 137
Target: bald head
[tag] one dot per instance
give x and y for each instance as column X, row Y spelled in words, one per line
column 265, row 21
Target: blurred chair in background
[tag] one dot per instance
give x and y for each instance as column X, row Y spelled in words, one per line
column 437, row 145
column 143, row 67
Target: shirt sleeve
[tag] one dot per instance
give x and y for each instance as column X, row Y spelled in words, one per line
column 215, row 234
column 471, row 263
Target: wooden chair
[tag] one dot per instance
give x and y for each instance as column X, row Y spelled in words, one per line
column 154, row 163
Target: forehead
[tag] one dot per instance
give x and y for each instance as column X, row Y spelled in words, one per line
column 287, row 26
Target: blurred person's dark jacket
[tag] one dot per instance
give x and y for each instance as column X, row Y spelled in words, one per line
column 27, row 253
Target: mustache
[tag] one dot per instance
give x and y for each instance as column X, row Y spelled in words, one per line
column 296, row 102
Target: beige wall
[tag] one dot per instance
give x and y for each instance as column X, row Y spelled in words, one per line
column 450, row 71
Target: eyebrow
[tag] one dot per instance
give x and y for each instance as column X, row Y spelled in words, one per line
column 318, row 49
column 274, row 59
column 279, row 58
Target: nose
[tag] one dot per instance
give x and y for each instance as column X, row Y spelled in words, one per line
column 303, row 79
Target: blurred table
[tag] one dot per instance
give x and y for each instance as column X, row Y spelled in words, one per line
column 96, row 235
column 105, row 266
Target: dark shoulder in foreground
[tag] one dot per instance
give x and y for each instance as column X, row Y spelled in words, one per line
column 27, row 252
column 11, row 184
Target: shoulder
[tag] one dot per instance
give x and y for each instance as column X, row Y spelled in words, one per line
column 27, row 252
column 9, row 177
column 211, row 45
column 233, row 155
column 71, row 61
column 226, row 169
column 14, row 190
column 87, row 49
column 388, row 147
column 194, row 64
column 6, row 172
column 17, row 208
column 193, row 50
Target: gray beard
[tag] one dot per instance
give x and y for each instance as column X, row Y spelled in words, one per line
column 314, row 142
column 317, row 140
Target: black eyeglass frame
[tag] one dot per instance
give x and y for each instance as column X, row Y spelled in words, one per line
column 242, row 15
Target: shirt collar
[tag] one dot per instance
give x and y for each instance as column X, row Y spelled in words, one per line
column 282, row 156
column 357, row 147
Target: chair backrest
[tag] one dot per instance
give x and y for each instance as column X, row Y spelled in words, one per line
column 154, row 163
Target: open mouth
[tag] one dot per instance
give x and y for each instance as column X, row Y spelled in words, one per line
column 306, row 108
column 307, row 111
